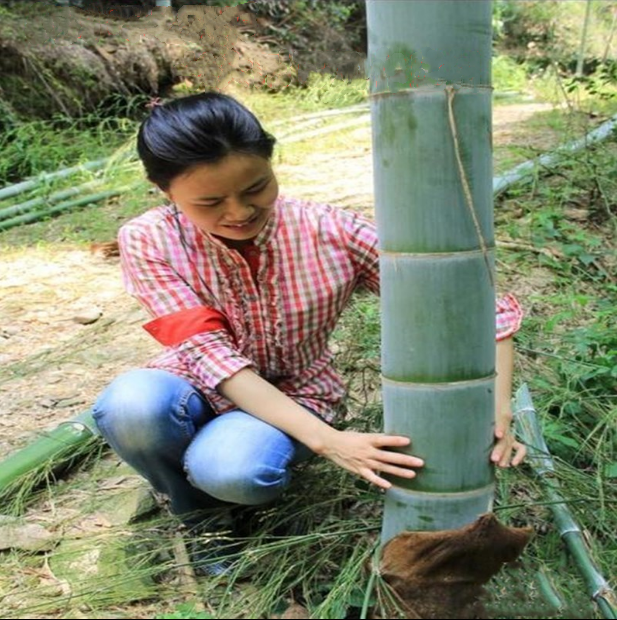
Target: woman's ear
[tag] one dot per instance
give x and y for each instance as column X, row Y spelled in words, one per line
column 158, row 188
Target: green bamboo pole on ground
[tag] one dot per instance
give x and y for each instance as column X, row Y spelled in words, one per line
column 47, row 447
column 24, row 186
column 29, row 218
column 53, row 449
column 525, row 172
column 542, row 463
column 30, row 205
column 429, row 70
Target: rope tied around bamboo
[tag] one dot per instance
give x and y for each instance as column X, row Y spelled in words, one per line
column 450, row 93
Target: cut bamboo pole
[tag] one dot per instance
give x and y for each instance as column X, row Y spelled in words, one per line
column 51, row 449
column 354, row 109
column 30, row 205
column 541, row 461
column 526, row 171
column 13, row 190
column 29, row 218
column 295, row 137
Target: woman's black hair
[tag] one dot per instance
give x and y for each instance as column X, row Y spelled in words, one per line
column 198, row 129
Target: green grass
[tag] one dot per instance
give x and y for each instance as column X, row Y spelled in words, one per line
column 567, row 349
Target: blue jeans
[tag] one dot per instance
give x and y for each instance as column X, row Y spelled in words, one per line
column 166, row 430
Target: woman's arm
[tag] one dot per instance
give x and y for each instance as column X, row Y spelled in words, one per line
column 182, row 319
column 365, row 454
column 507, row 450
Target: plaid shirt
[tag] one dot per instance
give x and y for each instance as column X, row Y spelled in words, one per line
column 272, row 309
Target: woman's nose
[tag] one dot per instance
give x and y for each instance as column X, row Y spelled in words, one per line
column 238, row 211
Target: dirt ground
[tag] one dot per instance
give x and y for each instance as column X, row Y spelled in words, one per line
column 85, row 59
column 55, row 361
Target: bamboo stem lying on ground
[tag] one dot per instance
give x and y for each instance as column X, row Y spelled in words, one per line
column 48, row 451
column 29, row 218
column 13, row 190
column 294, row 137
column 354, row 109
column 542, row 463
column 525, row 172
column 31, row 204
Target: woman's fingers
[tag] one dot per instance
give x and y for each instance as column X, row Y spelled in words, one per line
column 374, row 475
column 398, row 458
column 508, row 452
column 499, row 451
column 520, row 452
column 393, row 470
column 376, row 479
column 373, row 454
column 380, row 440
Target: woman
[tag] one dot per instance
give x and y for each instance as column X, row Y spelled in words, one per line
column 244, row 287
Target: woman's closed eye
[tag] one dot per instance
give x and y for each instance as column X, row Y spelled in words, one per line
column 251, row 192
column 256, row 190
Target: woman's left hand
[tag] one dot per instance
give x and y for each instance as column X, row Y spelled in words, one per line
column 507, row 451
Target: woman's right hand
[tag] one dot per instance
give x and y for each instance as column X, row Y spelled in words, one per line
column 367, row 455
column 364, row 454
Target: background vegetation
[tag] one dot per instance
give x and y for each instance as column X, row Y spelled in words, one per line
column 556, row 251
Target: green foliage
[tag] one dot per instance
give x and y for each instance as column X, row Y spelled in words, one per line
column 293, row 24
column 525, row 22
column 304, row 13
column 601, row 84
column 177, row 4
column 576, row 341
column 507, row 74
column 325, row 91
column 546, row 33
column 30, row 148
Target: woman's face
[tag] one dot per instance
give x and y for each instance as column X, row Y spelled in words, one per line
column 232, row 199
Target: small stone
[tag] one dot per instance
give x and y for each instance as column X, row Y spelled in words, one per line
column 24, row 536
column 88, row 316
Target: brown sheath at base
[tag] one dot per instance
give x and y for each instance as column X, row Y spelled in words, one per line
column 442, row 574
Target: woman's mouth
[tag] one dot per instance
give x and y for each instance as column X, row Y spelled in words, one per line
column 242, row 225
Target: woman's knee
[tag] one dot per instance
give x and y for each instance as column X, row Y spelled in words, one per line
column 237, row 483
column 144, row 407
column 240, row 459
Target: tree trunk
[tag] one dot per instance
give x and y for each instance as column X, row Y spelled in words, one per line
column 580, row 63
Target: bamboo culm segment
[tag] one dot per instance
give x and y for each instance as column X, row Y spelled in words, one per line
column 24, row 186
column 30, row 205
column 29, row 218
